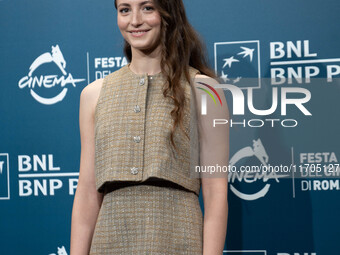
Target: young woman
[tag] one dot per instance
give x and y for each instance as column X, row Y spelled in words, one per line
column 136, row 194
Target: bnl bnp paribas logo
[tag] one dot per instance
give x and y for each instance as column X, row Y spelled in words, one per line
column 292, row 65
column 47, row 78
column 4, row 176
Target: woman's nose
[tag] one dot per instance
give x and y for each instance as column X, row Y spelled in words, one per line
column 136, row 18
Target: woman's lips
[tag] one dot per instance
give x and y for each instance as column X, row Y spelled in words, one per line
column 139, row 34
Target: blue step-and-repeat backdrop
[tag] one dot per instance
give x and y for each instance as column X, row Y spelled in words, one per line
column 282, row 59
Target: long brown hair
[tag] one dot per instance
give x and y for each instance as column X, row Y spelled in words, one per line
column 181, row 47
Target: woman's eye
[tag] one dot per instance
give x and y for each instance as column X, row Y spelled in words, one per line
column 123, row 10
column 148, row 8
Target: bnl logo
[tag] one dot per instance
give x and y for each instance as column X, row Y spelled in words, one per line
column 4, row 176
column 238, row 63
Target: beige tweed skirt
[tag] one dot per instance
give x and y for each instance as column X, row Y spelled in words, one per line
column 149, row 219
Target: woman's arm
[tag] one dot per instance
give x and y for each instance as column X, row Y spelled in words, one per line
column 215, row 215
column 87, row 200
column 214, row 150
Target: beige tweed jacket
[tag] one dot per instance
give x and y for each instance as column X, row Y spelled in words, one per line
column 132, row 132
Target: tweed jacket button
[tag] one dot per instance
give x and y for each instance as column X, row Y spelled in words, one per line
column 142, row 81
column 136, row 139
column 136, row 109
column 134, row 170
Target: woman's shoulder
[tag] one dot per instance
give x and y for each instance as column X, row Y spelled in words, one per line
column 205, row 82
column 202, row 78
column 199, row 77
column 90, row 94
column 94, row 87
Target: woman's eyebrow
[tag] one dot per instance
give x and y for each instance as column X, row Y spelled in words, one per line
column 142, row 3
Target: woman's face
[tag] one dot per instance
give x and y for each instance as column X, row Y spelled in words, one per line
column 139, row 22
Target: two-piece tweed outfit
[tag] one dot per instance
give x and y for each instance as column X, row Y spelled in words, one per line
column 151, row 201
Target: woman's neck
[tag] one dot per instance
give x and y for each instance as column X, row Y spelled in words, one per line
column 142, row 62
